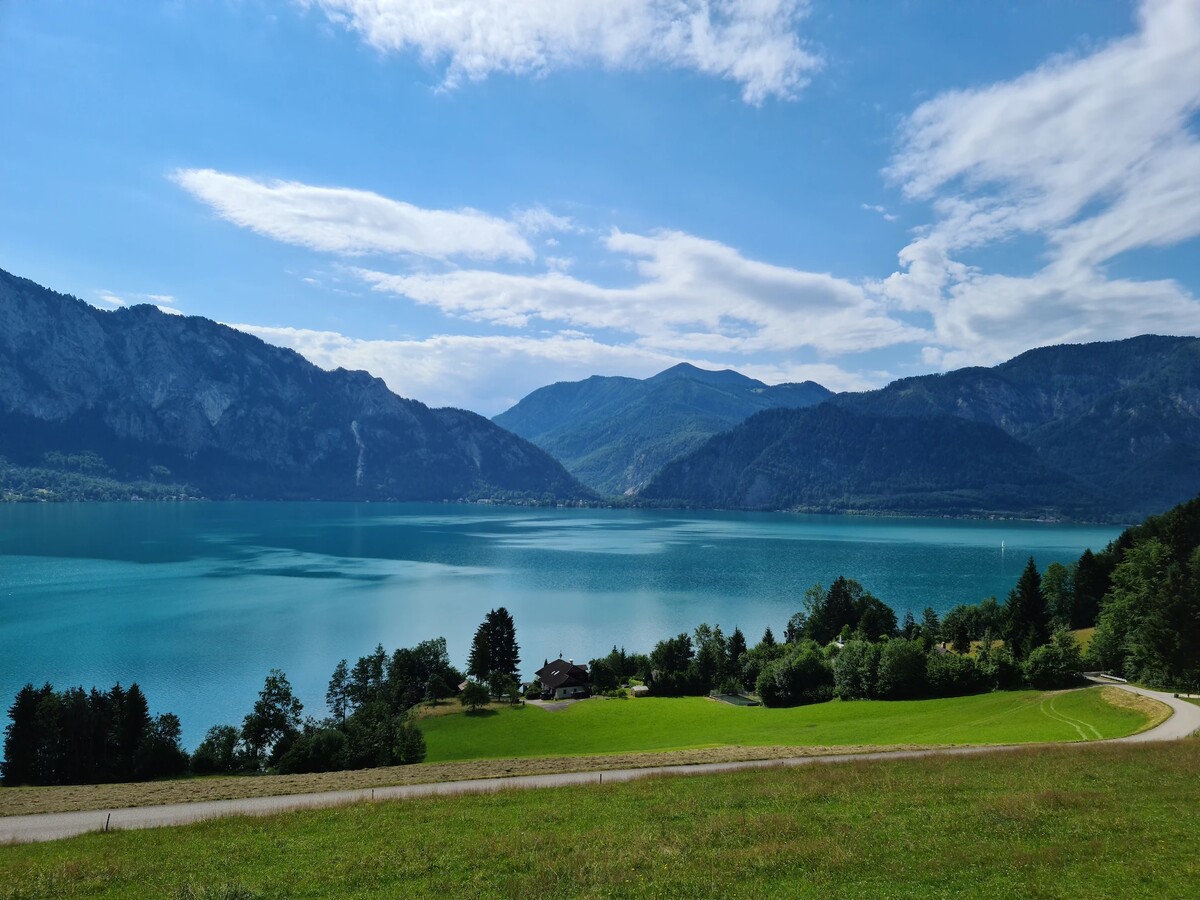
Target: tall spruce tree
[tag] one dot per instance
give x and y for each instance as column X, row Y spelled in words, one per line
column 1091, row 584
column 737, row 646
column 1026, row 614
column 494, row 647
column 480, row 659
column 21, row 738
column 502, row 643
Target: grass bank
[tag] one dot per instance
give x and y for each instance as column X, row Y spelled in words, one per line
column 658, row 724
column 1104, row 821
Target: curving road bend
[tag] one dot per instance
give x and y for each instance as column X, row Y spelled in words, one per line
column 1184, row 721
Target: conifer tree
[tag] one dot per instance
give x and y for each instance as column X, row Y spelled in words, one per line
column 480, row 659
column 1026, row 614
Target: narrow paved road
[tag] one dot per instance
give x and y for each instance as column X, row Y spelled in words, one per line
column 51, row 826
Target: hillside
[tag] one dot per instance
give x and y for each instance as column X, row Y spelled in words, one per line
column 831, row 459
column 93, row 401
column 1122, row 416
column 615, row 433
column 1104, row 431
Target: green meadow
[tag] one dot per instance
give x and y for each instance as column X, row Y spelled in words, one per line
column 658, row 724
column 1083, row 821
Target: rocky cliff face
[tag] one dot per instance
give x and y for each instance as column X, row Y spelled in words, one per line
column 162, row 396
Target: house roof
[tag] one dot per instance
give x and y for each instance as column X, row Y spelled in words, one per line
column 563, row 673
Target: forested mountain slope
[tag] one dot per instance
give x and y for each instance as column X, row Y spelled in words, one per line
column 832, row 459
column 616, row 433
column 1121, row 416
column 1107, row 430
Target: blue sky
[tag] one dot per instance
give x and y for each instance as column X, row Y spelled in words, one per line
column 473, row 198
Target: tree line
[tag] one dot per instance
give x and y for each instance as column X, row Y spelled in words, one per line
column 846, row 643
column 369, row 721
column 88, row 737
column 79, row 737
column 1141, row 593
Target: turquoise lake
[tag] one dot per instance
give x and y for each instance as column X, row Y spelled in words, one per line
column 196, row 601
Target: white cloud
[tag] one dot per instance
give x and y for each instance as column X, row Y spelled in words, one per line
column 753, row 43
column 352, row 222
column 485, row 374
column 1095, row 156
column 538, row 220
column 489, row 374
column 882, row 210
column 691, row 296
column 160, row 301
column 829, row 375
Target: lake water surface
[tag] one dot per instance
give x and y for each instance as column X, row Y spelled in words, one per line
column 196, row 601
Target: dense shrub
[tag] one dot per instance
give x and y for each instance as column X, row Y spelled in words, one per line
column 322, row 750
column 803, row 676
column 951, row 675
column 901, row 673
column 855, row 671
column 220, row 753
column 996, row 666
column 1056, row 664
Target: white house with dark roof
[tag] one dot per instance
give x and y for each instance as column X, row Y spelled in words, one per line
column 564, row 679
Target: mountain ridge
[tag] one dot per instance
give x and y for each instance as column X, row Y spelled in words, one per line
column 1116, row 422
column 189, row 401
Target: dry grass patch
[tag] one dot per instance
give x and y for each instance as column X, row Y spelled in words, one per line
column 79, row 798
column 1155, row 712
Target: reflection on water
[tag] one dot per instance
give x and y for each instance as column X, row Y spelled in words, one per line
column 197, row 601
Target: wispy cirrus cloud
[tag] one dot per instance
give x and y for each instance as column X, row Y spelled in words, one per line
column 754, row 43
column 1095, row 155
column 688, row 295
column 691, row 296
column 352, row 222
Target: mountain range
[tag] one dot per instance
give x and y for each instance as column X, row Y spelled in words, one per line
column 1103, row 430
column 92, row 402
column 615, row 433
column 133, row 401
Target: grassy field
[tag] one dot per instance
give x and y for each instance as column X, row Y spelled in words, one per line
column 629, row 734
column 617, row 726
column 1103, row 821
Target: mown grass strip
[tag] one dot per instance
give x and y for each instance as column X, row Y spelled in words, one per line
column 657, row 724
column 1093, row 821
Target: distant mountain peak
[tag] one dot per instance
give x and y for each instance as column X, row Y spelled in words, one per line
column 708, row 376
column 615, row 433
